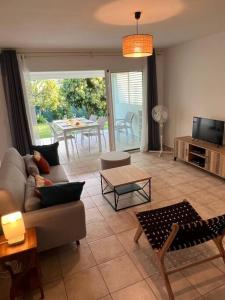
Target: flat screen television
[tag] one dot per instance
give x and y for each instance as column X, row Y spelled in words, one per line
column 208, row 130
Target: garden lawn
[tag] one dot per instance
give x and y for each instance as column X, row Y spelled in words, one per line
column 44, row 131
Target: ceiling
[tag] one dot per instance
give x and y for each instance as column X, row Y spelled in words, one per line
column 100, row 24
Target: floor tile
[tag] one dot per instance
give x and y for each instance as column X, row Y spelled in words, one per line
column 75, row 259
column 138, row 291
column 119, row 273
column 108, row 297
column 127, row 240
column 121, row 222
column 144, row 260
column 93, row 215
column 181, row 288
column 53, row 290
column 97, row 231
column 106, row 249
column 204, row 277
column 50, row 266
column 86, row 285
column 217, row 294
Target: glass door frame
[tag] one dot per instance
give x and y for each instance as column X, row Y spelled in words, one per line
column 110, row 105
column 110, row 111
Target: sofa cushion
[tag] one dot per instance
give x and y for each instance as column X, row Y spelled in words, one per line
column 13, row 181
column 13, row 157
column 31, row 166
column 31, row 201
column 57, row 174
column 49, row 152
column 60, row 193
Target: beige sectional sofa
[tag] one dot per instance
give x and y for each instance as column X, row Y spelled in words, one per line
column 56, row 225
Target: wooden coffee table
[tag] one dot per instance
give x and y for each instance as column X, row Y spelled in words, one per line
column 124, row 180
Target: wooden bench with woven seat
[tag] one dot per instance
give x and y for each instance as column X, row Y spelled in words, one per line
column 177, row 227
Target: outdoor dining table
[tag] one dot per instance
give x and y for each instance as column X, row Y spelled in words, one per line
column 77, row 124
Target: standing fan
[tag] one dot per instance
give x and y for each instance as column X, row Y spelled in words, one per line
column 160, row 115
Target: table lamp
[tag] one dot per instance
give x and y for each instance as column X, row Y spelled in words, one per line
column 13, row 228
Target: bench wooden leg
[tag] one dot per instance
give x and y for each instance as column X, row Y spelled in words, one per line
column 138, row 233
column 160, row 260
column 219, row 244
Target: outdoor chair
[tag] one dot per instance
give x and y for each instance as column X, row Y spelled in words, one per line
column 59, row 136
column 93, row 118
column 177, row 227
column 93, row 133
column 125, row 124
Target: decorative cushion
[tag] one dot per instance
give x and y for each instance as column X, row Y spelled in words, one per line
column 41, row 162
column 32, row 201
column 41, row 181
column 31, row 166
column 60, row 193
column 49, row 152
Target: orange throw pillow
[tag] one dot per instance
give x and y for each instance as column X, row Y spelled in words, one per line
column 42, row 163
column 41, row 181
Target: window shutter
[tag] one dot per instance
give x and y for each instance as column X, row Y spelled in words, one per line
column 129, row 87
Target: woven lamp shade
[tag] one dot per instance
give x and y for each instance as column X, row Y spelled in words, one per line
column 137, row 45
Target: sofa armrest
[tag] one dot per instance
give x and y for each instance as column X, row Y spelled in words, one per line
column 57, row 225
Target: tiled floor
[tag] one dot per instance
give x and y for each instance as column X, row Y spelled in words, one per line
column 109, row 265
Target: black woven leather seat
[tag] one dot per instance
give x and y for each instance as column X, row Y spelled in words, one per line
column 157, row 225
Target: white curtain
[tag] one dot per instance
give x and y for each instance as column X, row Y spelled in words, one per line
column 144, row 130
column 30, row 109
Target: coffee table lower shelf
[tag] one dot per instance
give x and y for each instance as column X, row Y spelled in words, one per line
column 125, row 189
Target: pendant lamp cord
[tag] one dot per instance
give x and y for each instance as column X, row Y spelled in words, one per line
column 137, row 16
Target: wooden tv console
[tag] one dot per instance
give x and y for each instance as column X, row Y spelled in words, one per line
column 204, row 155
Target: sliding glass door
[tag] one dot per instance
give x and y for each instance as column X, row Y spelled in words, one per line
column 127, row 100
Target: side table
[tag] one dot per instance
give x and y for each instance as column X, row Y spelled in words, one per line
column 22, row 263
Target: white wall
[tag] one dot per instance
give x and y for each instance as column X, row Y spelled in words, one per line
column 194, row 83
column 5, row 135
column 74, row 62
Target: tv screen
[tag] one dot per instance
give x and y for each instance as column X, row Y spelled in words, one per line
column 208, row 130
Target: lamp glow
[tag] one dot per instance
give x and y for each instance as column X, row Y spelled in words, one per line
column 13, row 227
column 137, row 45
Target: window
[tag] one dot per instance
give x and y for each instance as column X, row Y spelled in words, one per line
column 129, row 87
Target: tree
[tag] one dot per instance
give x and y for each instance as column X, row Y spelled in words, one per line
column 46, row 95
column 87, row 94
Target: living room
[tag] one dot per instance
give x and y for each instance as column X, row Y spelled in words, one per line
column 106, row 259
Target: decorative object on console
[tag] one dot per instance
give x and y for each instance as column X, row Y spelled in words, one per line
column 13, row 227
column 41, row 162
column 49, row 152
column 137, row 45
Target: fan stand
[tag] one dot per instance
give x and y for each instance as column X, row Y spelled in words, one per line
column 161, row 151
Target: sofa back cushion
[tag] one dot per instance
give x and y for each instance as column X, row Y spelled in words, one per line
column 32, row 201
column 31, row 166
column 13, row 177
column 13, row 157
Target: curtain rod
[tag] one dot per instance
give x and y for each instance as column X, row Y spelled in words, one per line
column 72, row 53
